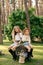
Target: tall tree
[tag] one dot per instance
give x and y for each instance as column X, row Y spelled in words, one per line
column 1, row 38
column 3, row 11
column 30, row 1
column 22, row 4
column 37, row 10
column 19, row 4
column 13, row 2
column 26, row 11
column 7, row 10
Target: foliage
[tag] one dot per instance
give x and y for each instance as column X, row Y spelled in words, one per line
column 36, row 24
column 36, row 27
column 18, row 17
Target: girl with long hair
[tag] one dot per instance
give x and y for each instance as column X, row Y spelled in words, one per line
column 16, row 37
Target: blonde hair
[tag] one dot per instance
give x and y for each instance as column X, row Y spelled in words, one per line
column 17, row 28
column 25, row 30
column 13, row 31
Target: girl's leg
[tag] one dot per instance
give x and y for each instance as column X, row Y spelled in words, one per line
column 13, row 54
column 14, row 48
column 28, row 48
column 10, row 47
column 31, row 52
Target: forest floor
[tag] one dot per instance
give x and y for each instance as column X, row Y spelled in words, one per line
column 36, row 60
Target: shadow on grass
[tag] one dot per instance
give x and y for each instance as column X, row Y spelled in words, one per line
column 36, row 60
column 7, row 60
column 6, row 43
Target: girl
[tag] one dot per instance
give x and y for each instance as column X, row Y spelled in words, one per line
column 16, row 37
column 26, row 39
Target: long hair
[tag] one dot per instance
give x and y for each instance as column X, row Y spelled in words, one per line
column 14, row 32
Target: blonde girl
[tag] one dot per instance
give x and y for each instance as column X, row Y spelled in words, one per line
column 16, row 37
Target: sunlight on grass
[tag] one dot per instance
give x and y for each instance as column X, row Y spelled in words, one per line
column 7, row 58
column 1, row 59
column 38, row 50
column 3, row 47
column 6, row 40
column 38, row 46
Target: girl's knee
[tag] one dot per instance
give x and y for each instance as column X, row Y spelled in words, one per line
column 10, row 47
column 14, row 48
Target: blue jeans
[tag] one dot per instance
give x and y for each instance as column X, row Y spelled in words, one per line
column 26, row 43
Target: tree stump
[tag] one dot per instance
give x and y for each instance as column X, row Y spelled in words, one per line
column 21, row 51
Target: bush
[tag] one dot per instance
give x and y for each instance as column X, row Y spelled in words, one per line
column 36, row 27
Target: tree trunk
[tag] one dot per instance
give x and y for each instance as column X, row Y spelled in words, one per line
column 3, row 12
column 7, row 10
column 22, row 4
column 13, row 2
column 30, row 3
column 2, row 15
column 37, row 10
column 1, row 38
column 27, row 16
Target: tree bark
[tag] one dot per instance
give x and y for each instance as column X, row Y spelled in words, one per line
column 37, row 10
column 22, row 4
column 30, row 3
column 1, row 38
column 13, row 2
column 27, row 14
column 3, row 12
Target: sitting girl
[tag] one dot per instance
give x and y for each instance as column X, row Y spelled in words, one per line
column 16, row 36
column 26, row 39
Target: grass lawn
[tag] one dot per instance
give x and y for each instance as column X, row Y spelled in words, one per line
column 36, row 60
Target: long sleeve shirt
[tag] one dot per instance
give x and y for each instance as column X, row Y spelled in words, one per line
column 26, row 38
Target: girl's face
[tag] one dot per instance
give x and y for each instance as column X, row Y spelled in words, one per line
column 16, row 29
column 26, row 32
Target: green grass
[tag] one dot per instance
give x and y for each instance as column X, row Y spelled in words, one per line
column 36, row 60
